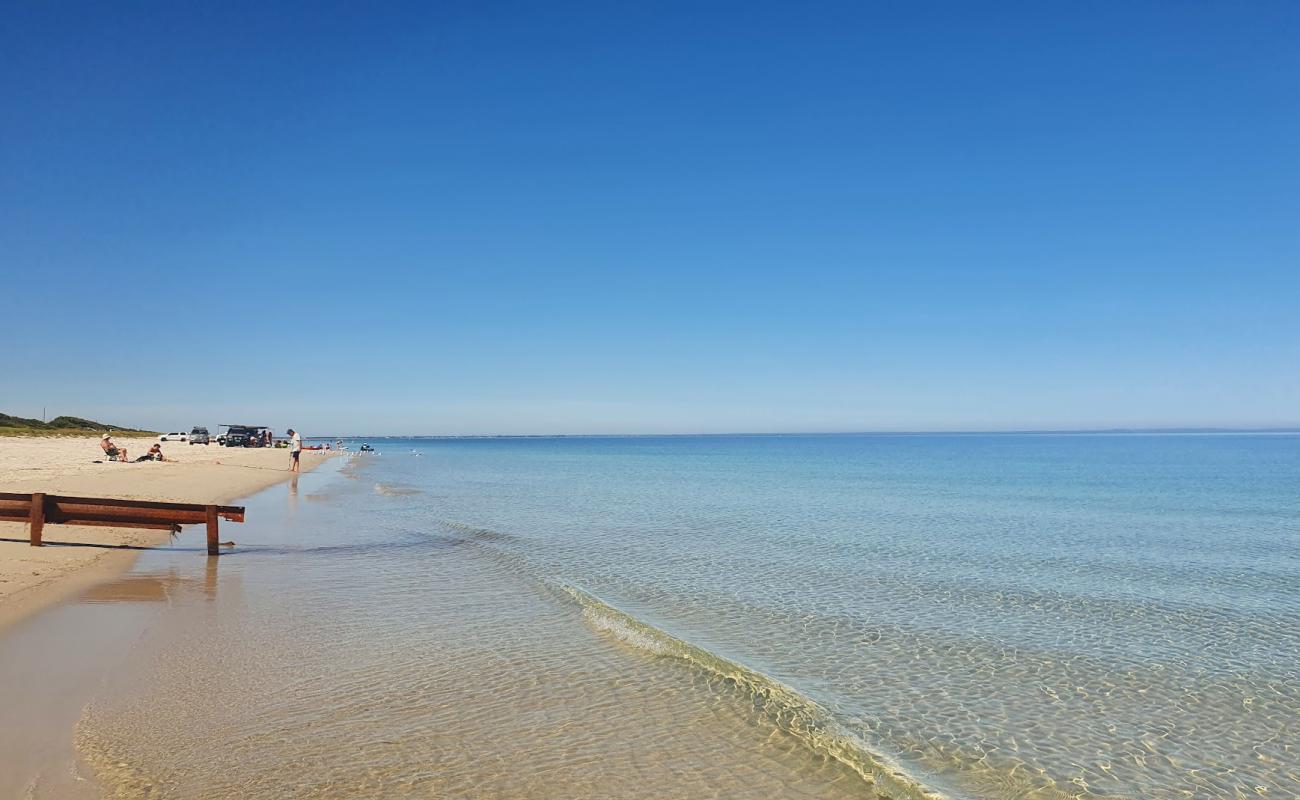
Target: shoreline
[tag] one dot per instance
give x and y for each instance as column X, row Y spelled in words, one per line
column 175, row 626
column 33, row 579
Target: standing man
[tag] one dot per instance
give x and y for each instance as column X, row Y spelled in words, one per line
column 295, row 450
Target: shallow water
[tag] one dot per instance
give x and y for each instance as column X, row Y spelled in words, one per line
column 335, row 654
column 972, row 616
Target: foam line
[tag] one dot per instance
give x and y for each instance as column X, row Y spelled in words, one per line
column 792, row 711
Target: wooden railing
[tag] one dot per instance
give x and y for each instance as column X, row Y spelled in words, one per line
column 39, row 510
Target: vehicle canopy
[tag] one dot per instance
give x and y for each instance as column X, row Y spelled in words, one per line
column 243, row 428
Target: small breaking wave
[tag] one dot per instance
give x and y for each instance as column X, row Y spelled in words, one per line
column 396, row 490
column 793, row 712
column 478, row 534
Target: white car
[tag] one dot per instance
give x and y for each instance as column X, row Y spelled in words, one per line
column 174, row 437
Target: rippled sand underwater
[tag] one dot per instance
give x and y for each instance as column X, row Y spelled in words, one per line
column 418, row 670
column 1010, row 618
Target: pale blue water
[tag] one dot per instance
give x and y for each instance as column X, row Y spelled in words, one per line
column 1018, row 616
column 1108, row 615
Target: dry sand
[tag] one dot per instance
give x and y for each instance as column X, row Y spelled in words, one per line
column 34, row 577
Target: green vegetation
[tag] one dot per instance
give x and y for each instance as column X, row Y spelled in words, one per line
column 63, row 426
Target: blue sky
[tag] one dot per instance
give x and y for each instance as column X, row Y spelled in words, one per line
column 554, row 217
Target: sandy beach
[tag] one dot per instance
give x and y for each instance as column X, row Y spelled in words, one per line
column 32, row 578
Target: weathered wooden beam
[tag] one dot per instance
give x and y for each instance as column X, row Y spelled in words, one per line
column 15, row 507
column 11, row 503
column 118, row 523
column 64, row 514
column 39, row 509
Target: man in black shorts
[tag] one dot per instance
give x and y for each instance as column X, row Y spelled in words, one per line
column 295, row 450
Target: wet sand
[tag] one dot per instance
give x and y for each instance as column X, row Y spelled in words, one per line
column 338, row 653
column 34, row 578
column 72, row 613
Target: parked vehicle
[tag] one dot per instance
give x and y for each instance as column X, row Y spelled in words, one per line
column 174, row 437
column 200, row 436
column 243, row 436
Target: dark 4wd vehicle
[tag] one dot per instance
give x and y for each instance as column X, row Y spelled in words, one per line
column 241, row 436
column 200, row 436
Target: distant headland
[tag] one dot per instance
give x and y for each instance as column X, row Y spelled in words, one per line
column 62, row 426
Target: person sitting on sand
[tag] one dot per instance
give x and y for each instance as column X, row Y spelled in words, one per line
column 154, row 454
column 111, row 450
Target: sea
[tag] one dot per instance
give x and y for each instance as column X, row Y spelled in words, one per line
column 813, row 616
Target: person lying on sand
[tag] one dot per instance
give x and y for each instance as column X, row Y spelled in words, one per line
column 111, row 450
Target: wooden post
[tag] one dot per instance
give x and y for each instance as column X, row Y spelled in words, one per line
column 37, row 518
column 212, row 530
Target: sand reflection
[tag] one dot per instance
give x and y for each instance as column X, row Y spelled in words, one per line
column 155, row 587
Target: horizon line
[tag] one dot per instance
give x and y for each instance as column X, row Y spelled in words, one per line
column 1010, row 432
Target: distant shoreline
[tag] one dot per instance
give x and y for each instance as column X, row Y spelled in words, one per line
column 792, row 434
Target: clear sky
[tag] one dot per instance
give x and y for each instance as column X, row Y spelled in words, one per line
column 651, row 217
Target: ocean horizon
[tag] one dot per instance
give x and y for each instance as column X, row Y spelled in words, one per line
column 1212, row 431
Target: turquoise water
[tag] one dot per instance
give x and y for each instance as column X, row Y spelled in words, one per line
column 1094, row 615
column 1011, row 616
